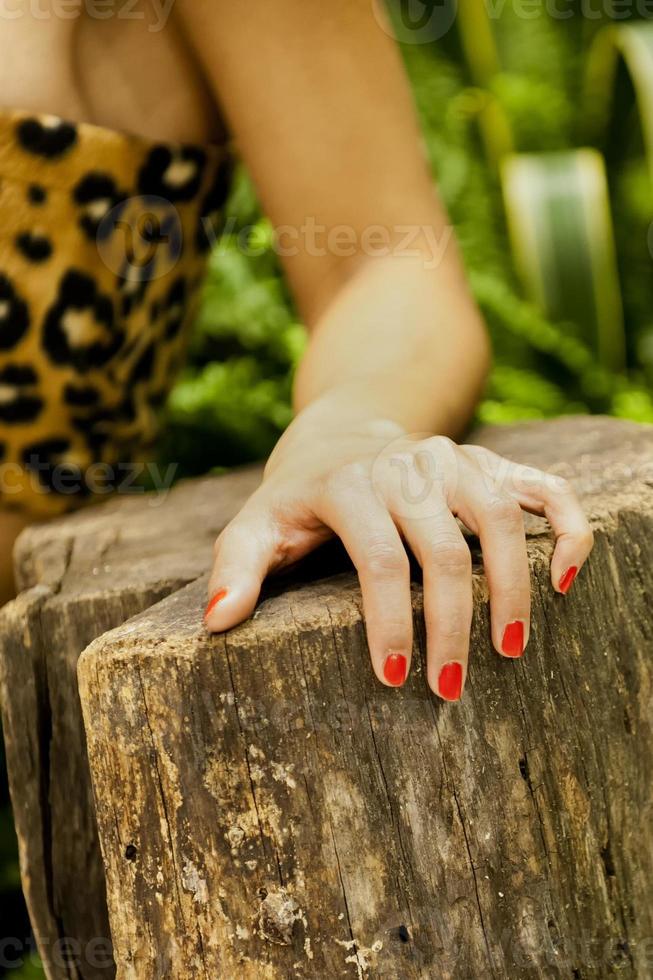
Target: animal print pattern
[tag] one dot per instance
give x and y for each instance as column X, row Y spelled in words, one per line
column 103, row 244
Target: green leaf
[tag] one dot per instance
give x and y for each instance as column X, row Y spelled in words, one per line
column 561, row 232
column 632, row 45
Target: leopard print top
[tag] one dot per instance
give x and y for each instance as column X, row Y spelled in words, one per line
column 103, row 244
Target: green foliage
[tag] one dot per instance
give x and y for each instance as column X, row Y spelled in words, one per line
column 31, row 968
column 233, row 400
column 538, row 110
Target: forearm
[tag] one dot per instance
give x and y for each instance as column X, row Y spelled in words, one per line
column 400, row 341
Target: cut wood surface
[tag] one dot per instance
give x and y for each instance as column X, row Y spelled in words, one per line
column 267, row 809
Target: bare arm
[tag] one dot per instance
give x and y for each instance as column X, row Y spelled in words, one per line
column 321, row 110
column 320, row 107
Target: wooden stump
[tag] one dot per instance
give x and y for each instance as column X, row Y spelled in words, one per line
column 266, row 809
column 82, row 576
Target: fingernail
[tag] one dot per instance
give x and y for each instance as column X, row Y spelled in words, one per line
column 512, row 643
column 395, row 669
column 566, row 581
column 218, row 597
column 450, row 681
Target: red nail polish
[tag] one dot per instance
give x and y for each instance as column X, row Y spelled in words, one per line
column 566, row 581
column 450, row 681
column 395, row 669
column 219, row 595
column 512, row 643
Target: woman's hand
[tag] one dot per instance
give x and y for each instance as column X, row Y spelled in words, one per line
column 379, row 490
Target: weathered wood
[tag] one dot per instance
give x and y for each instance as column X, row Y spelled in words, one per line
column 266, row 809
column 83, row 575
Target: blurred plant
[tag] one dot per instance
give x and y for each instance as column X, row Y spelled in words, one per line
column 557, row 197
column 558, row 212
column 233, row 400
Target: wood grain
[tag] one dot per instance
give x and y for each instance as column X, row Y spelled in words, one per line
column 266, row 809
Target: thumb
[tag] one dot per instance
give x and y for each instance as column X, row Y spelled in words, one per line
column 244, row 554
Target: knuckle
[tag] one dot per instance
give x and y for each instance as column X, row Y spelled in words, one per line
column 403, row 457
column 587, row 539
column 564, row 486
column 385, row 560
column 398, row 628
column 282, row 545
column 454, row 634
column 515, row 595
column 438, row 443
column 479, row 456
column 505, row 512
column 226, row 536
column 473, row 449
column 555, row 488
column 350, row 476
column 452, row 557
column 277, row 530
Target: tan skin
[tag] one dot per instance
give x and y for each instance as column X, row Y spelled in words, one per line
column 319, row 106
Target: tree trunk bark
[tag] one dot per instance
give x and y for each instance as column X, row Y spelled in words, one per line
column 266, row 809
column 83, row 575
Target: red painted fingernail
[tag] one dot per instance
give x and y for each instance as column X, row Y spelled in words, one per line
column 512, row 643
column 395, row 669
column 218, row 597
column 450, row 681
column 566, row 581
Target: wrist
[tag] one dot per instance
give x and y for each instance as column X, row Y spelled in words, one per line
column 333, row 424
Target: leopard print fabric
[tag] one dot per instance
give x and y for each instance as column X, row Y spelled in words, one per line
column 103, row 244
